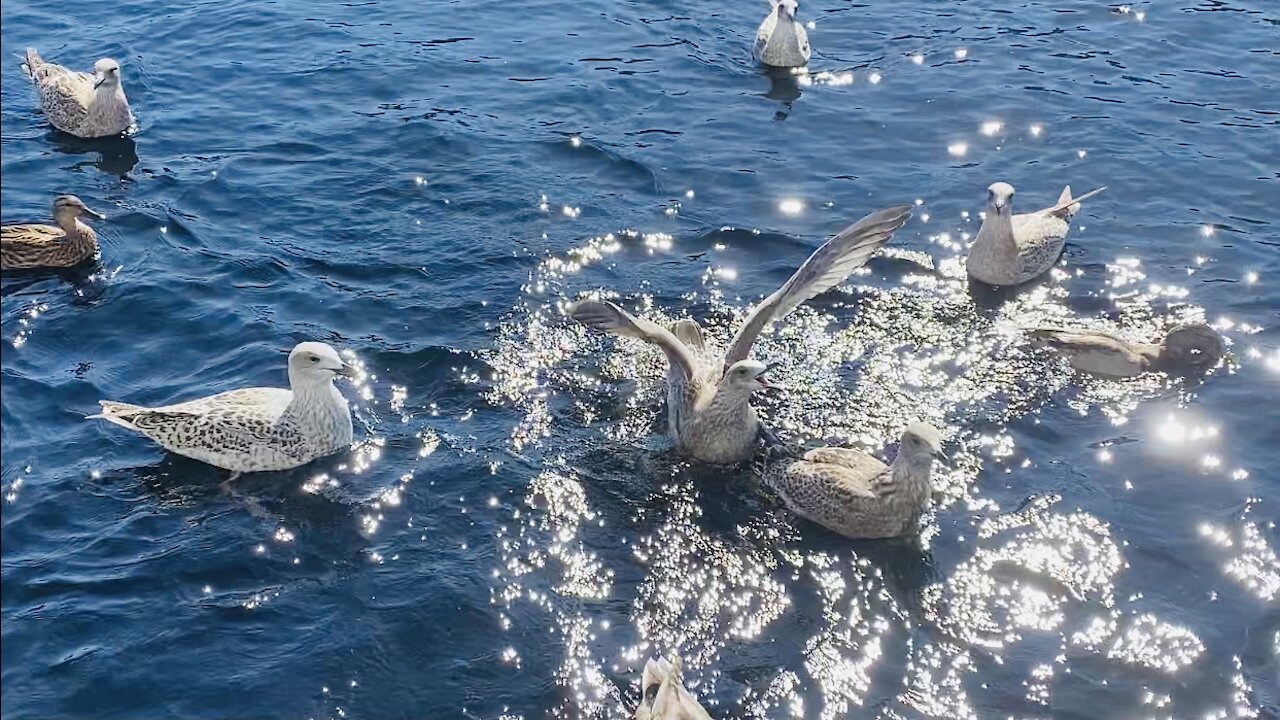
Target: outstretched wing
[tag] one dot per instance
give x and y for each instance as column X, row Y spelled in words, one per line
column 607, row 317
column 827, row 267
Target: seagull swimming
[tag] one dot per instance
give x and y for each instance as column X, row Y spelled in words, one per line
column 66, row 244
column 709, row 413
column 853, row 494
column 1194, row 346
column 664, row 697
column 254, row 429
column 1013, row 249
column 781, row 40
column 82, row 104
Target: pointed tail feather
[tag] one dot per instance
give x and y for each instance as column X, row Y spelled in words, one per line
column 1067, row 205
column 32, row 62
column 117, row 412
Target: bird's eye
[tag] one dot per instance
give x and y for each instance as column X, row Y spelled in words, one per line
column 315, row 358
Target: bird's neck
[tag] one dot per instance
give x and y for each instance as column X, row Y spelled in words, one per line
column 108, row 102
column 730, row 400
column 913, row 471
column 996, row 234
column 308, row 392
column 81, row 238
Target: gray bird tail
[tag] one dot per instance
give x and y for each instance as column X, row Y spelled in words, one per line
column 117, row 412
column 32, row 62
column 1068, row 206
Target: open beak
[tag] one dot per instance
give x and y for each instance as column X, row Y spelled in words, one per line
column 346, row 371
column 763, row 379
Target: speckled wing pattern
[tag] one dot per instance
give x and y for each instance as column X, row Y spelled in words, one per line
column 1040, row 238
column 64, row 94
column 245, row 423
column 832, row 494
column 802, row 39
column 763, row 33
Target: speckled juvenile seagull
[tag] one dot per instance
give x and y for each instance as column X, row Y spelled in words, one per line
column 82, row 104
column 254, row 429
column 856, row 495
column 1013, row 249
column 781, row 40
column 1194, row 346
column 67, row 244
column 664, row 697
column 709, row 413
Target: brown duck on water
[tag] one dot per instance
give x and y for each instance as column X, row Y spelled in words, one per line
column 66, row 244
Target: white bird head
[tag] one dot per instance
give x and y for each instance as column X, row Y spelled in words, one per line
column 71, row 207
column 750, row 376
column 316, row 362
column 1000, row 197
column 921, row 441
column 786, row 7
column 106, row 73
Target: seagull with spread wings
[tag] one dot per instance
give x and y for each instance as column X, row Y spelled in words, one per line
column 709, row 413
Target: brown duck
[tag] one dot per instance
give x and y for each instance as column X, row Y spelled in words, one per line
column 66, row 244
column 1190, row 347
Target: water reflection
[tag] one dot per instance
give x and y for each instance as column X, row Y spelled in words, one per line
column 635, row 554
column 784, row 86
column 115, row 155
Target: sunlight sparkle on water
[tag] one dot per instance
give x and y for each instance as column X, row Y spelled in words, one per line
column 1036, row 129
column 961, row 53
column 917, row 59
column 874, row 78
column 958, row 149
column 991, row 127
column 791, row 206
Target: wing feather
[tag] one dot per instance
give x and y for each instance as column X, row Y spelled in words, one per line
column 606, row 317
column 827, row 267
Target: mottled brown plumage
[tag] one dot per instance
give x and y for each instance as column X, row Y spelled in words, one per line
column 1013, row 249
column 254, row 429
column 856, row 495
column 82, row 104
column 66, row 244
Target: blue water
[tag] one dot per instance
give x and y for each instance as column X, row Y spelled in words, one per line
column 423, row 184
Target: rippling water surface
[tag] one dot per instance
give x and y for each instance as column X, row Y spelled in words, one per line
column 426, row 185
